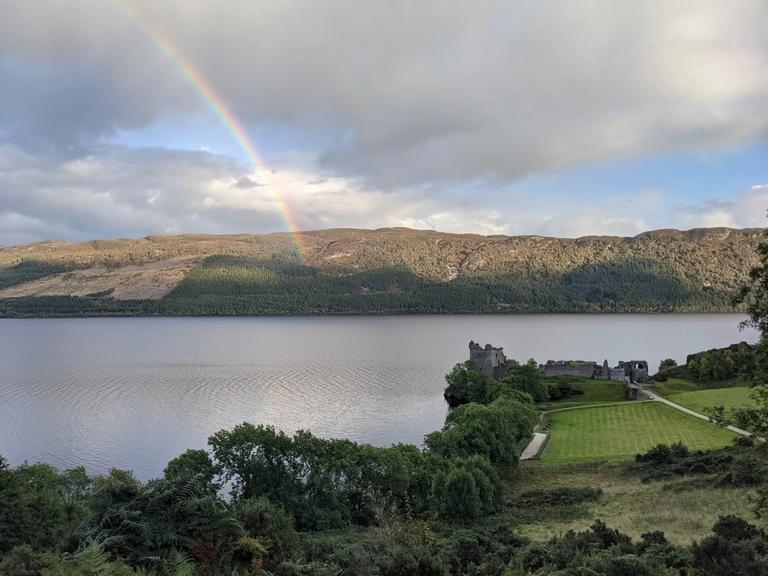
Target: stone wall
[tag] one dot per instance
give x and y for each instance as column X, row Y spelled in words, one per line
column 569, row 368
column 635, row 370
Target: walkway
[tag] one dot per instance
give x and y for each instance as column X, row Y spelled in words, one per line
column 532, row 450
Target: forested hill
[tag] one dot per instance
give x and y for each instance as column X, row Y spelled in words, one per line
column 397, row 270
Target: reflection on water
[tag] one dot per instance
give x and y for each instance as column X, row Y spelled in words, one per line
column 135, row 392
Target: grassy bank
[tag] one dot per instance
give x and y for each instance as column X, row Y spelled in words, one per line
column 591, row 392
column 729, row 397
column 684, row 509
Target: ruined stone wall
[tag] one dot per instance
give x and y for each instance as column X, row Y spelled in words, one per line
column 569, row 368
column 489, row 360
column 616, row 374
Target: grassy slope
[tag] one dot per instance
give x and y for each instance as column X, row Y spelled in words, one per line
column 594, row 392
column 620, row 432
column 674, row 386
column 682, row 509
column 728, row 397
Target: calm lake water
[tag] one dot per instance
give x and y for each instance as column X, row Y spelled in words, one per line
column 135, row 392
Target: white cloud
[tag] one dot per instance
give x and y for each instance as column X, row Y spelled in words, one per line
column 127, row 192
column 746, row 210
column 406, row 114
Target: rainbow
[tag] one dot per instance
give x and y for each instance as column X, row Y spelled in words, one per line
column 219, row 107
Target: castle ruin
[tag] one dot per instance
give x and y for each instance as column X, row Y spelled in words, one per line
column 492, row 362
column 489, row 360
column 632, row 370
column 631, row 373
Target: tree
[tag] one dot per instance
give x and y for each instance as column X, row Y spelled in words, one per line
column 456, row 495
column 755, row 295
column 520, row 378
column 718, row 415
column 667, row 363
column 192, row 463
column 466, row 384
column 735, row 549
column 41, row 506
column 494, row 431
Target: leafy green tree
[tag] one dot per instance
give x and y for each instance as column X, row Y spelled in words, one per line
column 520, row 378
column 41, row 506
column 192, row 463
column 466, row 384
column 456, row 495
column 494, row 431
column 755, row 295
column 718, row 415
column 667, row 363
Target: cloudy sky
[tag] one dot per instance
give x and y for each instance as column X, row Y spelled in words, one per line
column 117, row 117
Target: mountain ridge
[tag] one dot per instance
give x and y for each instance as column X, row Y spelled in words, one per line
column 664, row 270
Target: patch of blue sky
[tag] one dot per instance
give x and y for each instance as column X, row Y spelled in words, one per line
column 685, row 177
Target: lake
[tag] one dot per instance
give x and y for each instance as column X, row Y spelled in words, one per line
column 135, row 392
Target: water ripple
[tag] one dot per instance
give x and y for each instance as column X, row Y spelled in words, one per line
column 134, row 393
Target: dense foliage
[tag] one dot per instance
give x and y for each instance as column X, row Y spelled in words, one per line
column 716, row 367
column 236, row 285
column 720, row 364
column 68, row 524
column 27, row 270
column 263, row 502
column 755, row 295
column 522, row 381
column 739, row 465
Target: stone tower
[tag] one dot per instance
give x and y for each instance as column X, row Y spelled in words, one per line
column 489, row 360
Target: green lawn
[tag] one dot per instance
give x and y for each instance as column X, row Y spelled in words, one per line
column 620, row 432
column 728, row 397
column 594, row 392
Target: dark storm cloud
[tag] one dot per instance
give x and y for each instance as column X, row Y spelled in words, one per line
column 415, row 92
column 245, row 183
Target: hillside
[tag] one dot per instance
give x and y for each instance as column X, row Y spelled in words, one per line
column 378, row 271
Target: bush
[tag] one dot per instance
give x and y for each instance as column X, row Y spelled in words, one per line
column 737, row 465
column 736, row 548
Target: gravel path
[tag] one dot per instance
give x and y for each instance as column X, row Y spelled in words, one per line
column 533, row 448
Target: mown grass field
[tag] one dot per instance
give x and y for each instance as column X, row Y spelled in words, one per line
column 621, row 431
column 685, row 509
column 728, row 397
